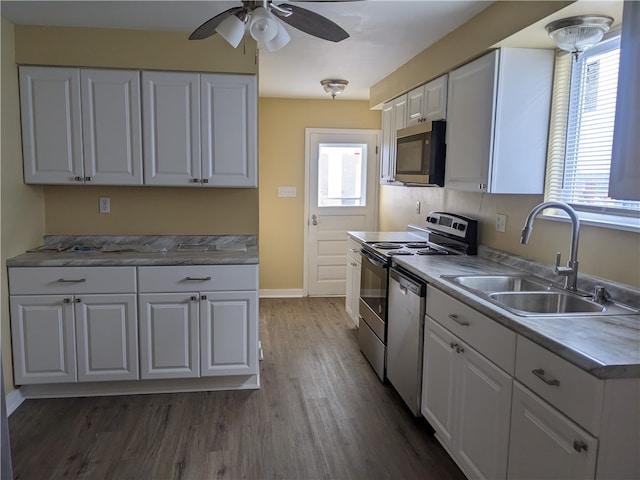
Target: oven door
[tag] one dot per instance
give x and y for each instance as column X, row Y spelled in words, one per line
column 373, row 286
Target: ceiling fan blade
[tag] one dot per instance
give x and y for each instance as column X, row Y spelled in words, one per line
column 208, row 28
column 313, row 24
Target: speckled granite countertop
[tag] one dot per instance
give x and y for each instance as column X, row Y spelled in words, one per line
column 605, row 346
column 139, row 250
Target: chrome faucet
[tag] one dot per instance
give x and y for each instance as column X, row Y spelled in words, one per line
column 570, row 272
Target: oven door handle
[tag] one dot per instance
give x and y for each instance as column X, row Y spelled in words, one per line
column 373, row 260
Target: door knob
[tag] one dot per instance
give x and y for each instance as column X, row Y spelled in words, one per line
column 314, row 219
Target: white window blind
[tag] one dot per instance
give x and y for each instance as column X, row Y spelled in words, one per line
column 582, row 126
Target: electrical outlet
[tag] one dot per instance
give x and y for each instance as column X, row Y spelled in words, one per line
column 104, row 204
column 501, row 223
column 418, row 207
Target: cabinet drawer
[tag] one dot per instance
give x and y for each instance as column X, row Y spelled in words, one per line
column 71, row 280
column 353, row 249
column 491, row 339
column 568, row 388
column 198, row 278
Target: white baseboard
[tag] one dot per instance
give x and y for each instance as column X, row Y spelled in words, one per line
column 292, row 293
column 14, row 400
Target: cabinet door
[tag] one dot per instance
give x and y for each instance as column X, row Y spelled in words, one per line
column 387, row 155
column 470, row 124
column 111, row 127
column 438, row 379
column 106, row 337
column 169, row 335
column 399, row 114
column 415, row 106
column 545, row 444
column 43, row 336
column 229, row 130
column 51, row 125
column 435, row 99
column 229, row 333
column 482, row 416
column 353, row 286
column 171, row 115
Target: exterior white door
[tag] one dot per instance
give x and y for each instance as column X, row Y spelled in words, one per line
column 341, row 195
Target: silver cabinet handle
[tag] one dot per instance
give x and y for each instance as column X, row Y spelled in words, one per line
column 455, row 318
column 78, row 280
column 193, row 298
column 197, row 279
column 195, row 180
column 579, row 446
column 539, row 372
column 87, row 179
column 205, row 180
column 203, row 297
column 453, row 345
column 314, row 219
column 66, row 300
column 355, row 250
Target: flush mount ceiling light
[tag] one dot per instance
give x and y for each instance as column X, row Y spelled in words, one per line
column 576, row 34
column 334, row 87
column 261, row 19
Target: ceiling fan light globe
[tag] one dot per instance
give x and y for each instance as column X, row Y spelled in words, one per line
column 280, row 40
column 232, row 30
column 263, row 27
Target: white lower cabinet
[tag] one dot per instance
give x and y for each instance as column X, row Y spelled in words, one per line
column 466, row 398
column 106, row 337
column 354, row 266
column 198, row 321
column 43, row 334
column 73, row 324
column 228, row 333
column 545, row 444
column 169, row 335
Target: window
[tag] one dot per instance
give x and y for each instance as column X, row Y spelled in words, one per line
column 581, row 137
column 342, row 173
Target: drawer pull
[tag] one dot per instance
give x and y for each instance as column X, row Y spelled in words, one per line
column 540, row 374
column 579, row 446
column 197, row 279
column 194, row 298
column 66, row 300
column 455, row 318
column 78, row 280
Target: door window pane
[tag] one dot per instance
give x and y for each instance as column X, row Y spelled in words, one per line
column 342, row 171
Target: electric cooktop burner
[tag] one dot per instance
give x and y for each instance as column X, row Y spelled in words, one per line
column 417, row 245
column 387, row 246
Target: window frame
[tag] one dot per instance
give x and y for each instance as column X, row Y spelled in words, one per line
column 597, row 215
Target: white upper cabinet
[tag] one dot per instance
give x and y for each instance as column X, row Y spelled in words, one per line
column 229, row 126
column 200, row 129
column 51, row 125
column 394, row 116
column 171, row 114
column 427, row 102
column 81, row 126
column 111, row 127
column 498, row 117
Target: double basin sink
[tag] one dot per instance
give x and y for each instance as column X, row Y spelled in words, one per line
column 532, row 296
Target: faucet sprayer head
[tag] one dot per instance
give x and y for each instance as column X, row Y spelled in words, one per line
column 525, row 235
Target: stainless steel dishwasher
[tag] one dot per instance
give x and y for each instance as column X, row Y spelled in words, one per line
column 405, row 325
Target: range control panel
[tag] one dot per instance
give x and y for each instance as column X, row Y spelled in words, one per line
column 451, row 224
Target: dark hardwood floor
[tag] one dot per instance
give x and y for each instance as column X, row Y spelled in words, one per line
column 320, row 413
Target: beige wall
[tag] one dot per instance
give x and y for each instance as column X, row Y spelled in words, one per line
column 603, row 252
column 22, row 211
column 282, row 156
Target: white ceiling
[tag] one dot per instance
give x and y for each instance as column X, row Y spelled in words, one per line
column 384, row 35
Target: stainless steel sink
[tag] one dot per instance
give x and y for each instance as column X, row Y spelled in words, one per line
column 526, row 295
column 546, row 302
column 501, row 283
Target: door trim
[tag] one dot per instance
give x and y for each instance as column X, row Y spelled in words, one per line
column 307, row 141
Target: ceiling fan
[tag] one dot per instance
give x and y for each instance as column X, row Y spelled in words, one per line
column 258, row 18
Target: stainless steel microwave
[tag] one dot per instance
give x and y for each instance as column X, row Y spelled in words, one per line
column 420, row 154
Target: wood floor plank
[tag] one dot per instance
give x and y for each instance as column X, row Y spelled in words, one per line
column 321, row 413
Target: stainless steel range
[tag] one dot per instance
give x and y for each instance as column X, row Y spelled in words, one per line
column 446, row 234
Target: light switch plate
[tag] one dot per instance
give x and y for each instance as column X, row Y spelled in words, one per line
column 501, row 223
column 289, row 192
